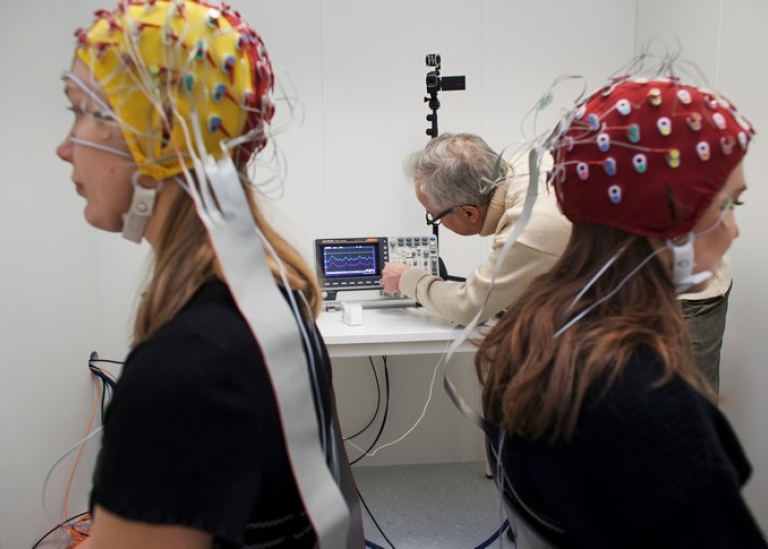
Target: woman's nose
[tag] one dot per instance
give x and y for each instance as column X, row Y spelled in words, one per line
column 64, row 150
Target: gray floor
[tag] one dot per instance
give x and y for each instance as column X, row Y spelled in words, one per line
column 446, row 506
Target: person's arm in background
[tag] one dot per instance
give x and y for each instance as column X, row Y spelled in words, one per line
column 534, row 253
column 461, row 301
column 113, row 532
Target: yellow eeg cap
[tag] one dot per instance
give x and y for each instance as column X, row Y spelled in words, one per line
column 175, row 60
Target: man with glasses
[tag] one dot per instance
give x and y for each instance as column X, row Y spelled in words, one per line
column 463, row 186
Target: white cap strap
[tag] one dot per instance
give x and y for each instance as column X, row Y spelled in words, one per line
column 682, row 265
column 142, row 205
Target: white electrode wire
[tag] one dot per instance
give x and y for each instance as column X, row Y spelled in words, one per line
column 665, row 67
column 331, row 435
column 90, row 93
column 287, row 93
column 124, row 126
column 534, row 166
column 440, row 361
column 144, row 81
column 272, row 160
column 500, row 476
column 99, row 146
column 304, row 335
column 624, row 280
column 594, row 279
column 543, row 102
column 74, row 447
column 726, row 207
column 503, row 481
column 182, row 182
column 201, row 178
column 322, row 495
column 530, row 199
column 104, row 106
column 612, row 293
column 227, row 146
column 325, row 508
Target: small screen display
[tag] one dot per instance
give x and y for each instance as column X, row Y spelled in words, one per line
column 350, row 260
column 346, row 263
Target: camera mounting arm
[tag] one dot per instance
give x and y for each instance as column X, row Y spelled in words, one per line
column 434, row 104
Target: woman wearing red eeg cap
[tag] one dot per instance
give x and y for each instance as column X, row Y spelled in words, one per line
column 608, row 435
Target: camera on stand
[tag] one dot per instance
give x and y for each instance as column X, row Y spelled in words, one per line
column 436, row 83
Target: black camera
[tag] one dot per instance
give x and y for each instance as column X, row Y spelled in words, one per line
column 436, row 83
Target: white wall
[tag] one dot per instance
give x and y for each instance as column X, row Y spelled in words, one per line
column 358, row 70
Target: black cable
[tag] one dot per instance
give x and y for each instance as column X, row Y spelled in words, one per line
column 374, row 522
column 103, row 404
column 496, row 535
column 383, row 419
column 100, row 373
column 107, row 386
column 52, row 530
column 108, row 361
column 107, row 383
column 378, row 402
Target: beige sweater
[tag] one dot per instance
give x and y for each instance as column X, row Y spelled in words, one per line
column 534, row 253
column 717, row 285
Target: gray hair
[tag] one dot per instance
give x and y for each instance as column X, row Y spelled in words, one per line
column 456, row 170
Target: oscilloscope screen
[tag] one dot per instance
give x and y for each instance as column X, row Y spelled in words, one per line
column 347, row 263
column 343, row 261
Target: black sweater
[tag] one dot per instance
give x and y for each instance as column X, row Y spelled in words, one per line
column 645, row 468
column 193, row 435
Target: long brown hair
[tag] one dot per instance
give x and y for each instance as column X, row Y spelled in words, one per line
column 535, row 383
column 184, row 260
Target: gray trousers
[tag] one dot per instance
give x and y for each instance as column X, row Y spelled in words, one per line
column 705, row 319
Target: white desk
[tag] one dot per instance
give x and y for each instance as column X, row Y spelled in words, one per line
column 405, row 331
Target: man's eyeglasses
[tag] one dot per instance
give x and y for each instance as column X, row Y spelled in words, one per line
column 437, row 219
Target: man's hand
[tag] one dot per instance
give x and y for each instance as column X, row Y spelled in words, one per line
column 390, row 277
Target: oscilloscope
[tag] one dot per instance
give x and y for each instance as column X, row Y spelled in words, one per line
column 355, row 263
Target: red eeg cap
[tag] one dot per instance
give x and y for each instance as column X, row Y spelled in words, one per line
column 647, row 156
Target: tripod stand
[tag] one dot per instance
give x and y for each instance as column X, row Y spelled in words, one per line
column 435, row 83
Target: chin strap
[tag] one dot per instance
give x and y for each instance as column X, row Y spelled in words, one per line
column 682, row 265
column 142, row 205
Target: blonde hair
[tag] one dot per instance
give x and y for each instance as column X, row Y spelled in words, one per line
column 185, row 259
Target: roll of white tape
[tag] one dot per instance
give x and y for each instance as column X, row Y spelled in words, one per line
column 352, row 313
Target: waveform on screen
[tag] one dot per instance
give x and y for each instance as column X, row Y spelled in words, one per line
column 349, row 261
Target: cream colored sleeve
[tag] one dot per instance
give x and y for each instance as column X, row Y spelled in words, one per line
column 534, row 253
column 460, row 301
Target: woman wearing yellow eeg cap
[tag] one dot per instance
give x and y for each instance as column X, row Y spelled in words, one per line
column 205, row 442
